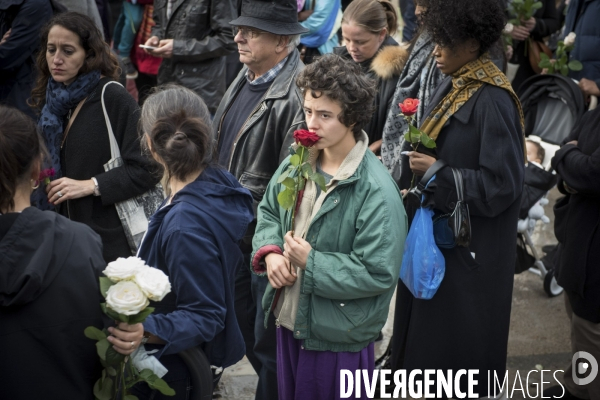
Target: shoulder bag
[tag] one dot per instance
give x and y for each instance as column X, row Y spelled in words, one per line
column 136, row 211
column 454, row 229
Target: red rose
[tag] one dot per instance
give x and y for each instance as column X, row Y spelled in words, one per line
column 306, row 138
column 409, row 107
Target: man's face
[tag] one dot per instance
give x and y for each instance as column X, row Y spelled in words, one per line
column 259, row 50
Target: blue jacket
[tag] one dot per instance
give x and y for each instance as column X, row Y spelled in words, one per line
column 194, row 240
column 582, row 18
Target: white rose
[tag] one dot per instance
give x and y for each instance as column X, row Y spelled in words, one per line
column 508, row 28
column 126, row 298
column 153, row 282
column 123, row 268
column 570, row 39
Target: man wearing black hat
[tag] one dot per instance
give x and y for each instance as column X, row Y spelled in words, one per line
column 253, row 127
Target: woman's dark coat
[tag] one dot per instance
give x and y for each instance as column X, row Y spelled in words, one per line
column 577, row 217
column 582, row 18
column 465, row 325
column 385, row 67
column 84, row 154
column 547, row 21
column 49, row 293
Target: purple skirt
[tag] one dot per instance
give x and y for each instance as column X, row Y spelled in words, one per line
column 315, row 375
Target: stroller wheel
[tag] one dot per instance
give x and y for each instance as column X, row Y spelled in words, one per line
column 551, row 287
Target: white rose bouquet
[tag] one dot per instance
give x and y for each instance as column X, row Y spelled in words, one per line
column 128, row 287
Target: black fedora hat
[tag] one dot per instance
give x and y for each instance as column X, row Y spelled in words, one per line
column 279, row 17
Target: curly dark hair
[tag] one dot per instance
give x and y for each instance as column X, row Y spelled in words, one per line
column 452, row 23
column 343, row 82
column 98, row 54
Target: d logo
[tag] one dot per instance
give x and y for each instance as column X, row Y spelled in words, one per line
column 583, row 367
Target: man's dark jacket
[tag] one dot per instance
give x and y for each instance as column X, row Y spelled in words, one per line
column 263, row 141
column 202, row 38
column 49, row 293
column 577, row 217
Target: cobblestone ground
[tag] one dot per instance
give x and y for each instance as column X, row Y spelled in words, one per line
column 539, row 335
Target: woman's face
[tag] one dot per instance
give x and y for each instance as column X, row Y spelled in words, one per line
column 360, row 43
column 64, row 54
column 321, row 115
column 451, row 60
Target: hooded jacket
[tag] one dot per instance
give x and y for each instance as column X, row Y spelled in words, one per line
column 385, row 67
column 194, row 241
column 49, row 268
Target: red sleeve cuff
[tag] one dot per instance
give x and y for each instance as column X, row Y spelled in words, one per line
column 258, row 264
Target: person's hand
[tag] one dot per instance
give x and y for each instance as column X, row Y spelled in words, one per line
column 165, row 49
column 296, row 250
column 279, row 271
column 509, row 52
column 574, row 142
column 404, row 192
column 5, row 37
column 68, row 189
column 153, row 41
column 303, row 15
column 589, row 87
column 519, row 33
column 126, row 338
column 529, row 24
column 376, row 146
column 419, row 162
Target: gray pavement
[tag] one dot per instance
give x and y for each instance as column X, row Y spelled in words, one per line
column 539, row 336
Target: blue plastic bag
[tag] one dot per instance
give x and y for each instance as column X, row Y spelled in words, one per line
column 423, row 265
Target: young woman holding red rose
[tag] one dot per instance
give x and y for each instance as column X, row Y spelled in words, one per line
column 330, row 282
column 475, row 119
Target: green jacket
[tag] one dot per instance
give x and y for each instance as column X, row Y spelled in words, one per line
column 357, row 240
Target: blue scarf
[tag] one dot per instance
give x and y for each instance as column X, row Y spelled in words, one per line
column 60, row 98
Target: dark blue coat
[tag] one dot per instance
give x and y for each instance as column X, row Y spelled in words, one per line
column 582, row 18
column 17, row 55
column 194, row 241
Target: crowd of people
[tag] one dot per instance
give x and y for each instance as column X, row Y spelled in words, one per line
column 197, row 103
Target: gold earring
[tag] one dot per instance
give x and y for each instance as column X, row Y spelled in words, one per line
column 35, row 185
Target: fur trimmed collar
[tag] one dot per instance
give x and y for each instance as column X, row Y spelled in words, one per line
column 389, row 61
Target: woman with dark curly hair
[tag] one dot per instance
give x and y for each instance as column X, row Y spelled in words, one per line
column 330, row 283
column 75, row 67
column 477, row 123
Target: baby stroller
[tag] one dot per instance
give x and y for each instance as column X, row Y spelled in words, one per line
column 552, row 104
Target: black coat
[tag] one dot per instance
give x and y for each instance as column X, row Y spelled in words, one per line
column 547, row 22
column 17, row 55
column 49, row 269
column 84, row 154
column 465, row 324
column 577, row 217
column 385, row 67
column 202, row 38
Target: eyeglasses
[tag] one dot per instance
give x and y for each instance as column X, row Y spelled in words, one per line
column 246, row 33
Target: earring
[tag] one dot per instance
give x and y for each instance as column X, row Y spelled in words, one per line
column 35, row 184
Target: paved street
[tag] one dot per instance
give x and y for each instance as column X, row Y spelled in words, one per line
column 539, row 335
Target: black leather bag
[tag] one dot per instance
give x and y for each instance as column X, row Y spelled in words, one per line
column 454, row 229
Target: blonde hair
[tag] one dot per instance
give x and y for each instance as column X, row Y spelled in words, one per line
column 372, row 15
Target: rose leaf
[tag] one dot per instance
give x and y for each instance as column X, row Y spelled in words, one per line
column 141, row 316
column 105, row 284
column 286, row 198
column 101, row 348
column 92, row 332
